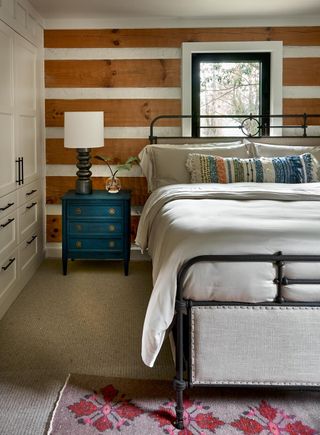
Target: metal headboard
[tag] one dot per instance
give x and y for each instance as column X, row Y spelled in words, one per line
column 263, row 125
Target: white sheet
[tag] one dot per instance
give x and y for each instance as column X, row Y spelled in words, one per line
column 182, row 221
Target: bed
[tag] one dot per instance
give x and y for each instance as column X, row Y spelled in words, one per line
column 236, row 267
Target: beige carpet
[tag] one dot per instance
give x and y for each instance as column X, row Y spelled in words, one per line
column 87, row 322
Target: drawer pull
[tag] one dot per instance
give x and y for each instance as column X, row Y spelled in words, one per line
column 32, row 205
column 112, row 228
column 7, row 223
column 31, row 192
column 31, row 240
column 112, row 244
column 79, row 227
column 10, row 204
column 78, row 245
column 78, row 210
column 11, row 260
column 112, row 211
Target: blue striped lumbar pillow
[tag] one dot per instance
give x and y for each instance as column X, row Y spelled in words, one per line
column 289, row 169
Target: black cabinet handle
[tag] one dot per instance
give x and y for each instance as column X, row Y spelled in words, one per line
column 22, row 171
column 10, row 204
column 11, row 260
column 30, row 206
column 31, row 192
column 31, row 240
column 20, row 179
column 7, row 223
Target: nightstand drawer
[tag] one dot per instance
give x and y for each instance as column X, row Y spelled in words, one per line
column 94, row 244
column 103, row 228
column 98, row 211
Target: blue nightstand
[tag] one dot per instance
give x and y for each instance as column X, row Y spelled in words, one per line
column 96, row 226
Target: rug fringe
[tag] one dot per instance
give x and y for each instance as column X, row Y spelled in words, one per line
column 57, row 404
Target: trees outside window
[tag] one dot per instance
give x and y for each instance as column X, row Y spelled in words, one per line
column 229, row 84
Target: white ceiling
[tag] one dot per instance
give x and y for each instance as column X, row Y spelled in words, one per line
column 175, row 9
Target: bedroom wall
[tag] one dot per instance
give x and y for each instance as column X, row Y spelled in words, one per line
column 134, row 75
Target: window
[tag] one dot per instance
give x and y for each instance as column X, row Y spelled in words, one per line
column 230, row 84
column 229, row 51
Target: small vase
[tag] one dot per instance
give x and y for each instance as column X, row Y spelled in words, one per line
column 113, row 185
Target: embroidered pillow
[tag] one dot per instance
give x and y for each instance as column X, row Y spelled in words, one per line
column 288, row 169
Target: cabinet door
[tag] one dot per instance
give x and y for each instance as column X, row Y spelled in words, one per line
column 26, row 128
column 7, row 156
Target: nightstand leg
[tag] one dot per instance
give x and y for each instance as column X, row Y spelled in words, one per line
column 64, row 265
column 126, row 267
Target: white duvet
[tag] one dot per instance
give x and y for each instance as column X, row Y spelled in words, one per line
column 185, row 220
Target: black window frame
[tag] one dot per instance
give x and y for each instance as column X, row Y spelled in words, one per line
column 264, row 58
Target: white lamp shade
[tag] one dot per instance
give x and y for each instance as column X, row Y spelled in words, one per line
column 83, row 129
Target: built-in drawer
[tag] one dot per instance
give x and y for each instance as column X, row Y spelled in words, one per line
column 29, row 192
column 103, row 228
column 95, row 211
column 8, row 232
column 8, row 271
column 96, row 244
column 8, row 203
column 29, row 249
column 28, row 216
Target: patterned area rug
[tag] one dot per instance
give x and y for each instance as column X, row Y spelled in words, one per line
column 95, row 405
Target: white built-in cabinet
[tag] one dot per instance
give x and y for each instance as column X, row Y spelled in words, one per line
column 21, row 180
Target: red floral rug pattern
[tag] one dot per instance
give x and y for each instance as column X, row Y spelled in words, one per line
column 90, row 405
column 106, row 411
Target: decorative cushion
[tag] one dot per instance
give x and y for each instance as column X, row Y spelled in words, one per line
column 165, row 164
column 289, row 169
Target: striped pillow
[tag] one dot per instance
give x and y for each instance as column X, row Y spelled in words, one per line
column 289, row 169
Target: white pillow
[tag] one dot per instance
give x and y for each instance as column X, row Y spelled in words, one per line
column 268, row 150
column 165, row 164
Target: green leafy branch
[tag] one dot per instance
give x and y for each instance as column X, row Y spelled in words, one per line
column 124, row 166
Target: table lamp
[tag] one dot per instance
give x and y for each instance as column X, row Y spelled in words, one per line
column 83, row 130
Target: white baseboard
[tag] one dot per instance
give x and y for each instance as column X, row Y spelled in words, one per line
column 54, row 250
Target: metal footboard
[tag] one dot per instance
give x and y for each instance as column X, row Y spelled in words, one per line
column 183, row 308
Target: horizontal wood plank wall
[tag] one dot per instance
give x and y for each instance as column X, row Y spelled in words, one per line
column 132, row 90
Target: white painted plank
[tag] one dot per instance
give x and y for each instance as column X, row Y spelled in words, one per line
column 121, row 132
column 301, row 92
column 297, row 51
column 97, row 171
column 111, row 53
column 109, row 93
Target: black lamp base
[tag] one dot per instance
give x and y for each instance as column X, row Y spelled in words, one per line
column 83, row 187
column 84, row 183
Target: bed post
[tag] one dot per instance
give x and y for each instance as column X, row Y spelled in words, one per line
column 179, row 384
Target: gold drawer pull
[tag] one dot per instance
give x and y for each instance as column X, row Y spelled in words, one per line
column 112, row 244
column 112, row 211
column 79, row 227
column 112, row 228
column 78, row 245
column 78, row 210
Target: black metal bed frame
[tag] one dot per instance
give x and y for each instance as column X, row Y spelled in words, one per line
column 183, row 306
column 262, row 124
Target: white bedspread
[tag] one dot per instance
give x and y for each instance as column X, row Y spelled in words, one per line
column 185, row 220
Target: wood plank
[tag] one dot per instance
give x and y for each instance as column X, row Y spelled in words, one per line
column 106, row 38
column 54, row 228
column 299, row 106
column 112, row 73
column 57, row 186
column 117, row 149
column 301, row 71
column 117, row 113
